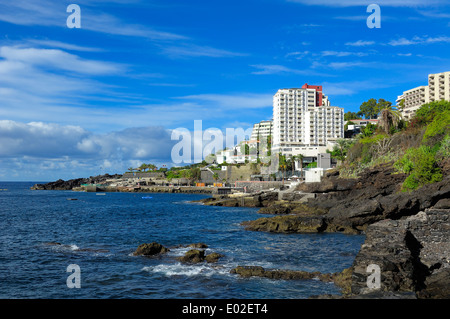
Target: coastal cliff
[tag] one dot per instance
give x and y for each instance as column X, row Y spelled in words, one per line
column 73, row 183
column 407, row 233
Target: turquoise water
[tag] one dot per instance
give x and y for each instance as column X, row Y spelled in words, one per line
column 100, row 233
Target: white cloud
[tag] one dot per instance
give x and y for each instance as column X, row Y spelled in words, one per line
column 387, row 3
column 346, row 65
column 51, row 85
column 51, row 13
column 342, row 53
column 275, row 69
column 54, row 141
column 343, row 65
column 106, row 23
column 60, row 45
column 233, row 101
column 360, row 43
column 192, row 50
column 433, row 14
column 298, row 55
column 53, row 58
column 419, row 40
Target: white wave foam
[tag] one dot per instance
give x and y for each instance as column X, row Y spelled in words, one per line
column 180, row 269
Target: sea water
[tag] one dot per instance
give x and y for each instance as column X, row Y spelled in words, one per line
column 42, row 233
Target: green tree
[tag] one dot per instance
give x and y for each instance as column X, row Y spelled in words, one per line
column 368, row 109
column 351, row 116
column 371, row 108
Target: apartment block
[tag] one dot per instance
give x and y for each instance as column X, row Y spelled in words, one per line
column 438, row 88
column 304, row 122
column 262, row 129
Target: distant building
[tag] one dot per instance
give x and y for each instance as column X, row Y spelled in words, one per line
column 356, row 126
column 262, row 129
column 438, row 88
column 304, row 122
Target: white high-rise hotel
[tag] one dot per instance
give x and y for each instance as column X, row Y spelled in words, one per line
column 304, row 122
column 438, row 88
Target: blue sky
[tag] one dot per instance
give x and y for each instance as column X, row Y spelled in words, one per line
column 106, row 96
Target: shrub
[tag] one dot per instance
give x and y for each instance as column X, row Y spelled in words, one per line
column 438, row 128
column 421, row 165
column 444, row 149
column 427, row 112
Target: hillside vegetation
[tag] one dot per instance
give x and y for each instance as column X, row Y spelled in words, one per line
column 419, row 148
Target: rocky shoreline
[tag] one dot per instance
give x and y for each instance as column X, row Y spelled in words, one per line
column 104, row 182
column 73, row 183
column 407, row 234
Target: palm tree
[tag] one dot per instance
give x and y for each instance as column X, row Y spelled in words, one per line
column 389, row 118
column 300, row 158
column 215, row 176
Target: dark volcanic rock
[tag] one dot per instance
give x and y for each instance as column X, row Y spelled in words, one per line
column 150, row 249
column 213, row 257
column 257, row 271
column 413, row 255
column 261, row 199
column 287, row 224
column 193, row 256
column 70, row 184
column 351, row 205
column 276, row 209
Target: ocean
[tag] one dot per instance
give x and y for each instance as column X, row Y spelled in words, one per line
column 42, row 233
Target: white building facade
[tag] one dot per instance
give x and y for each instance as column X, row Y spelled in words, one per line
column 438, row 88
column 304, row 122
column 262, row 129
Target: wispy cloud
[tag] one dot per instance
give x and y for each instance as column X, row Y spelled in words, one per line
column 57, row 59
column 106, row 23
column 298, row 54
column 49, row 13
column 188, row 50
column 419, row 40
column 343, row 53
column 387, row 3
column 233, row 101
column 343, row 65
column 434, row 14
column 58, row 45
column 346, row 65
column 43, row 150
column 275, row 69
column 360, row 43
